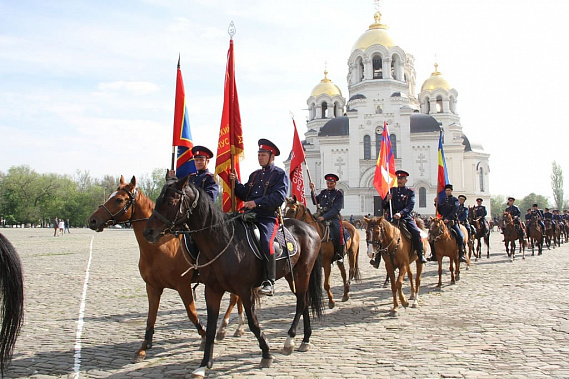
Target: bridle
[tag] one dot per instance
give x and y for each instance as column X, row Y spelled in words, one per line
column 122, row 211
column 180, row 214
column 377, row 244
column 440, row 232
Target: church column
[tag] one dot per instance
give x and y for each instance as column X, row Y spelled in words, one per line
column 368, row 69
column 387, row 64
column 318, row 111
column 446, row 105
column 433, row 103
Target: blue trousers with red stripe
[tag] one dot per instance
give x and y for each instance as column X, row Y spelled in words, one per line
column 268, row 227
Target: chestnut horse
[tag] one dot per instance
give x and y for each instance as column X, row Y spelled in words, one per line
column 299, row 211
column 396, row 250
column 479, row 234
column 446, row 246
column 160, row 265
column 551, row 234
column 12, row 300
column 535, row 233
column 228, row 264
column 512, row 233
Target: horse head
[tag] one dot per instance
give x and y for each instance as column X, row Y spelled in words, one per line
column 437, row 228
column 118, row 208
column 292, row 207
column 507, row 218
column 373, row 235
column 175, row 202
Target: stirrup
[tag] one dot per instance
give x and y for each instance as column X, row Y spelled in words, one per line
column 267, row 288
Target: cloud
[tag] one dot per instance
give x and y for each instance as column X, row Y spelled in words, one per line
column 133, row 88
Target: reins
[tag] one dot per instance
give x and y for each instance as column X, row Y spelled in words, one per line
column 130, row 203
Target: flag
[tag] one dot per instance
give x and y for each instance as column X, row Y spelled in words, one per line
column 230, row 145
column 296, row 176
column 182, row 136
column 442, row 172
column 385, row 169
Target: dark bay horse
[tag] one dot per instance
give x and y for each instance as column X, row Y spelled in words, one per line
column 535, row 233
column 446, row 246
column 396, row 251
column 299, row 211
column 551, row 234
column 227, row 262
column 479, row 234
column 11, row 302
column 161, row 265
column 512, row 233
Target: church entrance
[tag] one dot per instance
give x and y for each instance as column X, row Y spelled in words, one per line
column 377, row 206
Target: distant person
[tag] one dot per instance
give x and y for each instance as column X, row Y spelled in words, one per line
column 61, row 226
column 55, row 226
column 67, row 225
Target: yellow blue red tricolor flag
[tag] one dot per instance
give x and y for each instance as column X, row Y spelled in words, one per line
column 182, row 137
column 385, row 169
column 442, row 172
column 230, row 145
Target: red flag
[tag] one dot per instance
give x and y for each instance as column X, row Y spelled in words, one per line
column 385, row 170
column 296, row 176
column 230, row 145
column 182, row 136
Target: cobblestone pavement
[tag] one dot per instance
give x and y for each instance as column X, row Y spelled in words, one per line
column 501, row 319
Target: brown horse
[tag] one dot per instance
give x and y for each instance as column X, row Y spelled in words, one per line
column 299, row 211
column 551, row 234
column 446, row 246
column 535, row 232
column 160, row 265
column 397, row 253
column 12, row 300
column 512, row 233
column 227, row 263
column 479, row 234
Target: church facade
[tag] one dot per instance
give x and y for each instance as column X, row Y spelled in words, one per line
column 344, row 137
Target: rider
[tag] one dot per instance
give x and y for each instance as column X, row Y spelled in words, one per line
column 515, row 212
column 264, row 193
column 202, row 178
column 480, row 214
column 548, row 216
column 331, row 200
column 462, row 214
column 447, row 209
column 402, row 203
column 538, row 213
column 528, row 218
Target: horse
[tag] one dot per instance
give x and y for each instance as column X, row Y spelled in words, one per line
column 446, row 246
column 551, row 233
column 535, row 232
column 512, row 233
column 12, row 300
column 160, row 265
column 228, row 263
column 479, row 235
column 299, row 211
column 397, row 253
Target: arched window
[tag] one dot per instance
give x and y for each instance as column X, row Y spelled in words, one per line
column 393, row 139
column 481, row 179
column 378, row 110
column 422, row 197
column 367, row 147
column 324, row 108
column 377, row 144
column 439, row 104
column 377, row 68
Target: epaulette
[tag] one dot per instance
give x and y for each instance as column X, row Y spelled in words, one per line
column 210, row 174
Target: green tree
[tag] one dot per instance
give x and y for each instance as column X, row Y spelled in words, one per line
column 497, row 204
column 152, row 185
column 531, row 199
column 557, row 184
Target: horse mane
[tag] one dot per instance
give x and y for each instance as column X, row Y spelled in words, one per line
column 420, row 222
column 219, row 219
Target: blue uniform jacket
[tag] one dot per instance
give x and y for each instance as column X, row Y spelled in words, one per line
column 402, row 201
column 480, row 211
column 204, row 179
column 331, row 203
column 548, row 216
column 267, row 186
column 448, row 208
column 462, row 213
column 514, row 211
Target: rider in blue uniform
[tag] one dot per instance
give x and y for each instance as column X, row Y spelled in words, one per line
column 264, row 193
column 402, row 203
column 331, row 200
column 447, row 209
column 462, row 214
column 516, row 214
column 202, row 178
column 538, row 213
column 480, row 213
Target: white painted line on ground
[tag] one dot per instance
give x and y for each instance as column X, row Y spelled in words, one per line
column 77, row 364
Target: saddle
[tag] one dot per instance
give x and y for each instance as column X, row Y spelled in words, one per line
column 282, row 245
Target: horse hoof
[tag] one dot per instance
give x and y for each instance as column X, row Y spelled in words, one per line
column 220, row 335
column 393, row 313
column 202, row 345
column 198, row 373
column 346, row 297
column 415, row 304
column 238, row 333
column 139, row 356
column 331, row 304
column 266, row 362
column 287, row 350
column 304, row 347
column 405, row 305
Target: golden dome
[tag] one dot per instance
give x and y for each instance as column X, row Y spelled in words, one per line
column 375, row 35
column 326, row 87
column 435, row 81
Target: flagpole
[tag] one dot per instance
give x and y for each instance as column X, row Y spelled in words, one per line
column 231, row 30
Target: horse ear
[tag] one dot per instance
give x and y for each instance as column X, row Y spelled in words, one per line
column 122, row 180
column 133, row 181
column 294, row 198
column 185, row 181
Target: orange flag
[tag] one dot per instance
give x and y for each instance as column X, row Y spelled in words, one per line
column 230, row 145
column 385, row 170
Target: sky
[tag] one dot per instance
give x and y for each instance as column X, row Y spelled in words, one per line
column 90, row 85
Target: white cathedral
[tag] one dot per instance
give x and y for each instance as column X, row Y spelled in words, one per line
column 344, row 137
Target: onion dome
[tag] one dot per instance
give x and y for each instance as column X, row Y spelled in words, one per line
column 436, row 80
column 326, row 87
column 375, row 35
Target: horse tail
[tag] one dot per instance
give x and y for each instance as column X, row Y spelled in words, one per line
column 357, row 273
column 12, row 302
column 315, row 295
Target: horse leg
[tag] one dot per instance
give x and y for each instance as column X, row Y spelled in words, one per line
column 451, row 269
column 187, row 297
column 400, row 279
column 346, row 294
column 249, row 304
column 301, row 307
column 241, row 326
column 487, row 242
column 417, row 284
column 411, row 283
column 225, row 321
column 391, row 273
column 305, row 345
column 213, row 302
column 153, row 295
column 440, row 262
column 386, row 280
column 327, row 264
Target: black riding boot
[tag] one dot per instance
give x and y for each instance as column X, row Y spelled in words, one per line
column 420, row 255
column 338, row 253
column 433, row 257
column 268, row 285
column 376, row 260
column 461, row 256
